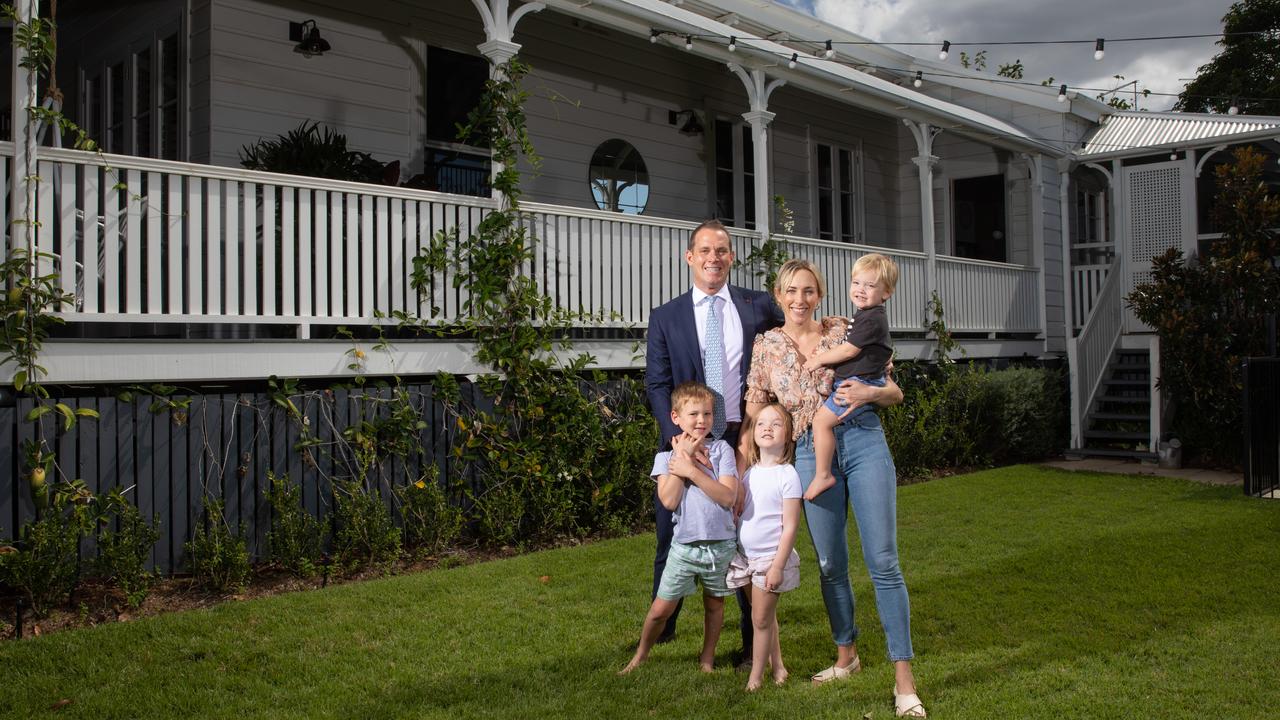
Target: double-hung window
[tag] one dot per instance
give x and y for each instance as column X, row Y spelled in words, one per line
column 837, row 184
column 735, row 174
column 130, row 102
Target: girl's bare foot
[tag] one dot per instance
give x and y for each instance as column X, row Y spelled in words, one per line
column 753, row 685
column 635, row 663
column 706, row 666
column 780, row 676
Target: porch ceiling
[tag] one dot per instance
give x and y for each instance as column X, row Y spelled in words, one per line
column 830, row 79
column 1126, row 134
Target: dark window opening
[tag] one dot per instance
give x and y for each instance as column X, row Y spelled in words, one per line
column 1207, row 183
column 455, row 84
column 978, row 218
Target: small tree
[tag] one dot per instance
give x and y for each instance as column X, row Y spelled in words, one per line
column 1211, row 314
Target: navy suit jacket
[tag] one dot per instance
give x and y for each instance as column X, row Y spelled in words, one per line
column 674, row 357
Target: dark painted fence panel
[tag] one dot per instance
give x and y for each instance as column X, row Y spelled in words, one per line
column 222, row 445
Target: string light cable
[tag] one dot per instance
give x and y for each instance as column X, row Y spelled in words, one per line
column 918, row 77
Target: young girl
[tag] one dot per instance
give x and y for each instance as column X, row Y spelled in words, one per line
column 766, row 557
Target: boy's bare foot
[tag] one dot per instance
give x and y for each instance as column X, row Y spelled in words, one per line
column 820, row 484
column 635, row 663
column 706, row 667
column 780, row 676
column 753, row 685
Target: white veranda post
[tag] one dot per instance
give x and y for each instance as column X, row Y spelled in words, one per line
column 22, row 187
column 925, row 160
column 759, row 88
column 499, row 28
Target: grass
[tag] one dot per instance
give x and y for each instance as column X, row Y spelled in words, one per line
column 1035, row 594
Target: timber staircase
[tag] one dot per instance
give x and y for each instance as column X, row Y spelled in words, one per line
column 1119, row 420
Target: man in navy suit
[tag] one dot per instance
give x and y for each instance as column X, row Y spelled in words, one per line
column 676, row 342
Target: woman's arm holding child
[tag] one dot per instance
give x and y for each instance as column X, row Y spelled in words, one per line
column 843, row 352
column 791, row 510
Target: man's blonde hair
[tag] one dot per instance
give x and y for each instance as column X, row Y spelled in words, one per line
column 789, row 270
column 882, row 265
column 690, row 392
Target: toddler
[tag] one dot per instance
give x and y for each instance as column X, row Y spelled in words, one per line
column 862, row 357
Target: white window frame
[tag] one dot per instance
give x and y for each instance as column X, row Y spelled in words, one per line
column 741, row 191
column 838, row 232
column 949, row 194
column 126, row 54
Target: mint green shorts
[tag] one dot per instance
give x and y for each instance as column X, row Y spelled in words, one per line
column 706, row 561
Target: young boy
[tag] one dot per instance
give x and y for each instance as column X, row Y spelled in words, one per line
column 698, row 482
column 861, row 357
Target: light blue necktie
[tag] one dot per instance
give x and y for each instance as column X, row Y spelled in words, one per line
column 713, row 362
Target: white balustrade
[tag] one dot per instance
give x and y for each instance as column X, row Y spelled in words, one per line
column 158, row 241
column 1091, row 350
column 1086, row 283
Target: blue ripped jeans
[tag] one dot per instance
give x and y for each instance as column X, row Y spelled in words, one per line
column 866, row 480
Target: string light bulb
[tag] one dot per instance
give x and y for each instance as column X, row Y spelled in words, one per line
column 688, row 42
column 1098, row 50
column 919, row 78
column 733, row 43
column 792, row 62
column 1235, row 107
column 1173, row 155
column 1062, row 93
column 830, row 52
column 946, row 48
column 653, row 35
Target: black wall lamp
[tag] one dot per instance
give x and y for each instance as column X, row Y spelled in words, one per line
column 307, row 35
column 686, row 121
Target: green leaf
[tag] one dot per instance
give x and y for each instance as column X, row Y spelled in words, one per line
column 37, row 412
column 20, row 380
column 67, row 413
column 87, row 412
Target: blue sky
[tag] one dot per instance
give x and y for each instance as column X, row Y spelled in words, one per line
column 1161, row 66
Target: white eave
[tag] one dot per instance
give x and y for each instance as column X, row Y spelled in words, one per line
column 1131, row 134
column 823, row 77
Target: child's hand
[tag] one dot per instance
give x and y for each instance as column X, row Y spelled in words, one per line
column 773, row 577
column 812, row 364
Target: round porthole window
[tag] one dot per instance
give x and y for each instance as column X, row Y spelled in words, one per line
column 619, row 180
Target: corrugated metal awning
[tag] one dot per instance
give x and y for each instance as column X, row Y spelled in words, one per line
column 1130, row 133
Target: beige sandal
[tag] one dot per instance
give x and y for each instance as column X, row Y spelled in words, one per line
column 908, row 705
column 835, row 672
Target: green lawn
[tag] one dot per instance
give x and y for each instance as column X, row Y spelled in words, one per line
column 1035, row 594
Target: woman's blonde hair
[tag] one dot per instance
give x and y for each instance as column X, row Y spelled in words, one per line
column 789, row 270
column 788, row 430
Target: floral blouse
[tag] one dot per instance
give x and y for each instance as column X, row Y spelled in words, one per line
column 777, row 373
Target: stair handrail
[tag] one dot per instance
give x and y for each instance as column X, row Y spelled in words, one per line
column 1091, row 350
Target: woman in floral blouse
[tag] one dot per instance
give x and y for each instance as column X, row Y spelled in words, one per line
column 777, row 373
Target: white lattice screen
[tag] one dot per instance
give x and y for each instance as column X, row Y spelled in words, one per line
column 1155, row 216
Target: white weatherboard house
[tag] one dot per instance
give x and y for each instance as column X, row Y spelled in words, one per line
column 1029, row 214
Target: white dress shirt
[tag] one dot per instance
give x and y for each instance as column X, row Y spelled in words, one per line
column 731, row 326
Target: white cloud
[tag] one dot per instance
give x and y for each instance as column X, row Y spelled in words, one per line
column 1157, row 65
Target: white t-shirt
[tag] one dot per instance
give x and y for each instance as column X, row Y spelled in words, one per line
column 761, row 527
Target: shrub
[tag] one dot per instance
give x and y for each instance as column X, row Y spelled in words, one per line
column 1211, row 314
column 124, row 551
column 217, row 557
column 431, row 522
column 296, row 536
column 366, row 534
column 1028, row 414
column 44, row 561
column 957, row 416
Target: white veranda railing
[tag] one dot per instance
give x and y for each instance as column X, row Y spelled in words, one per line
column 159, row 241
column 1091, row 350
